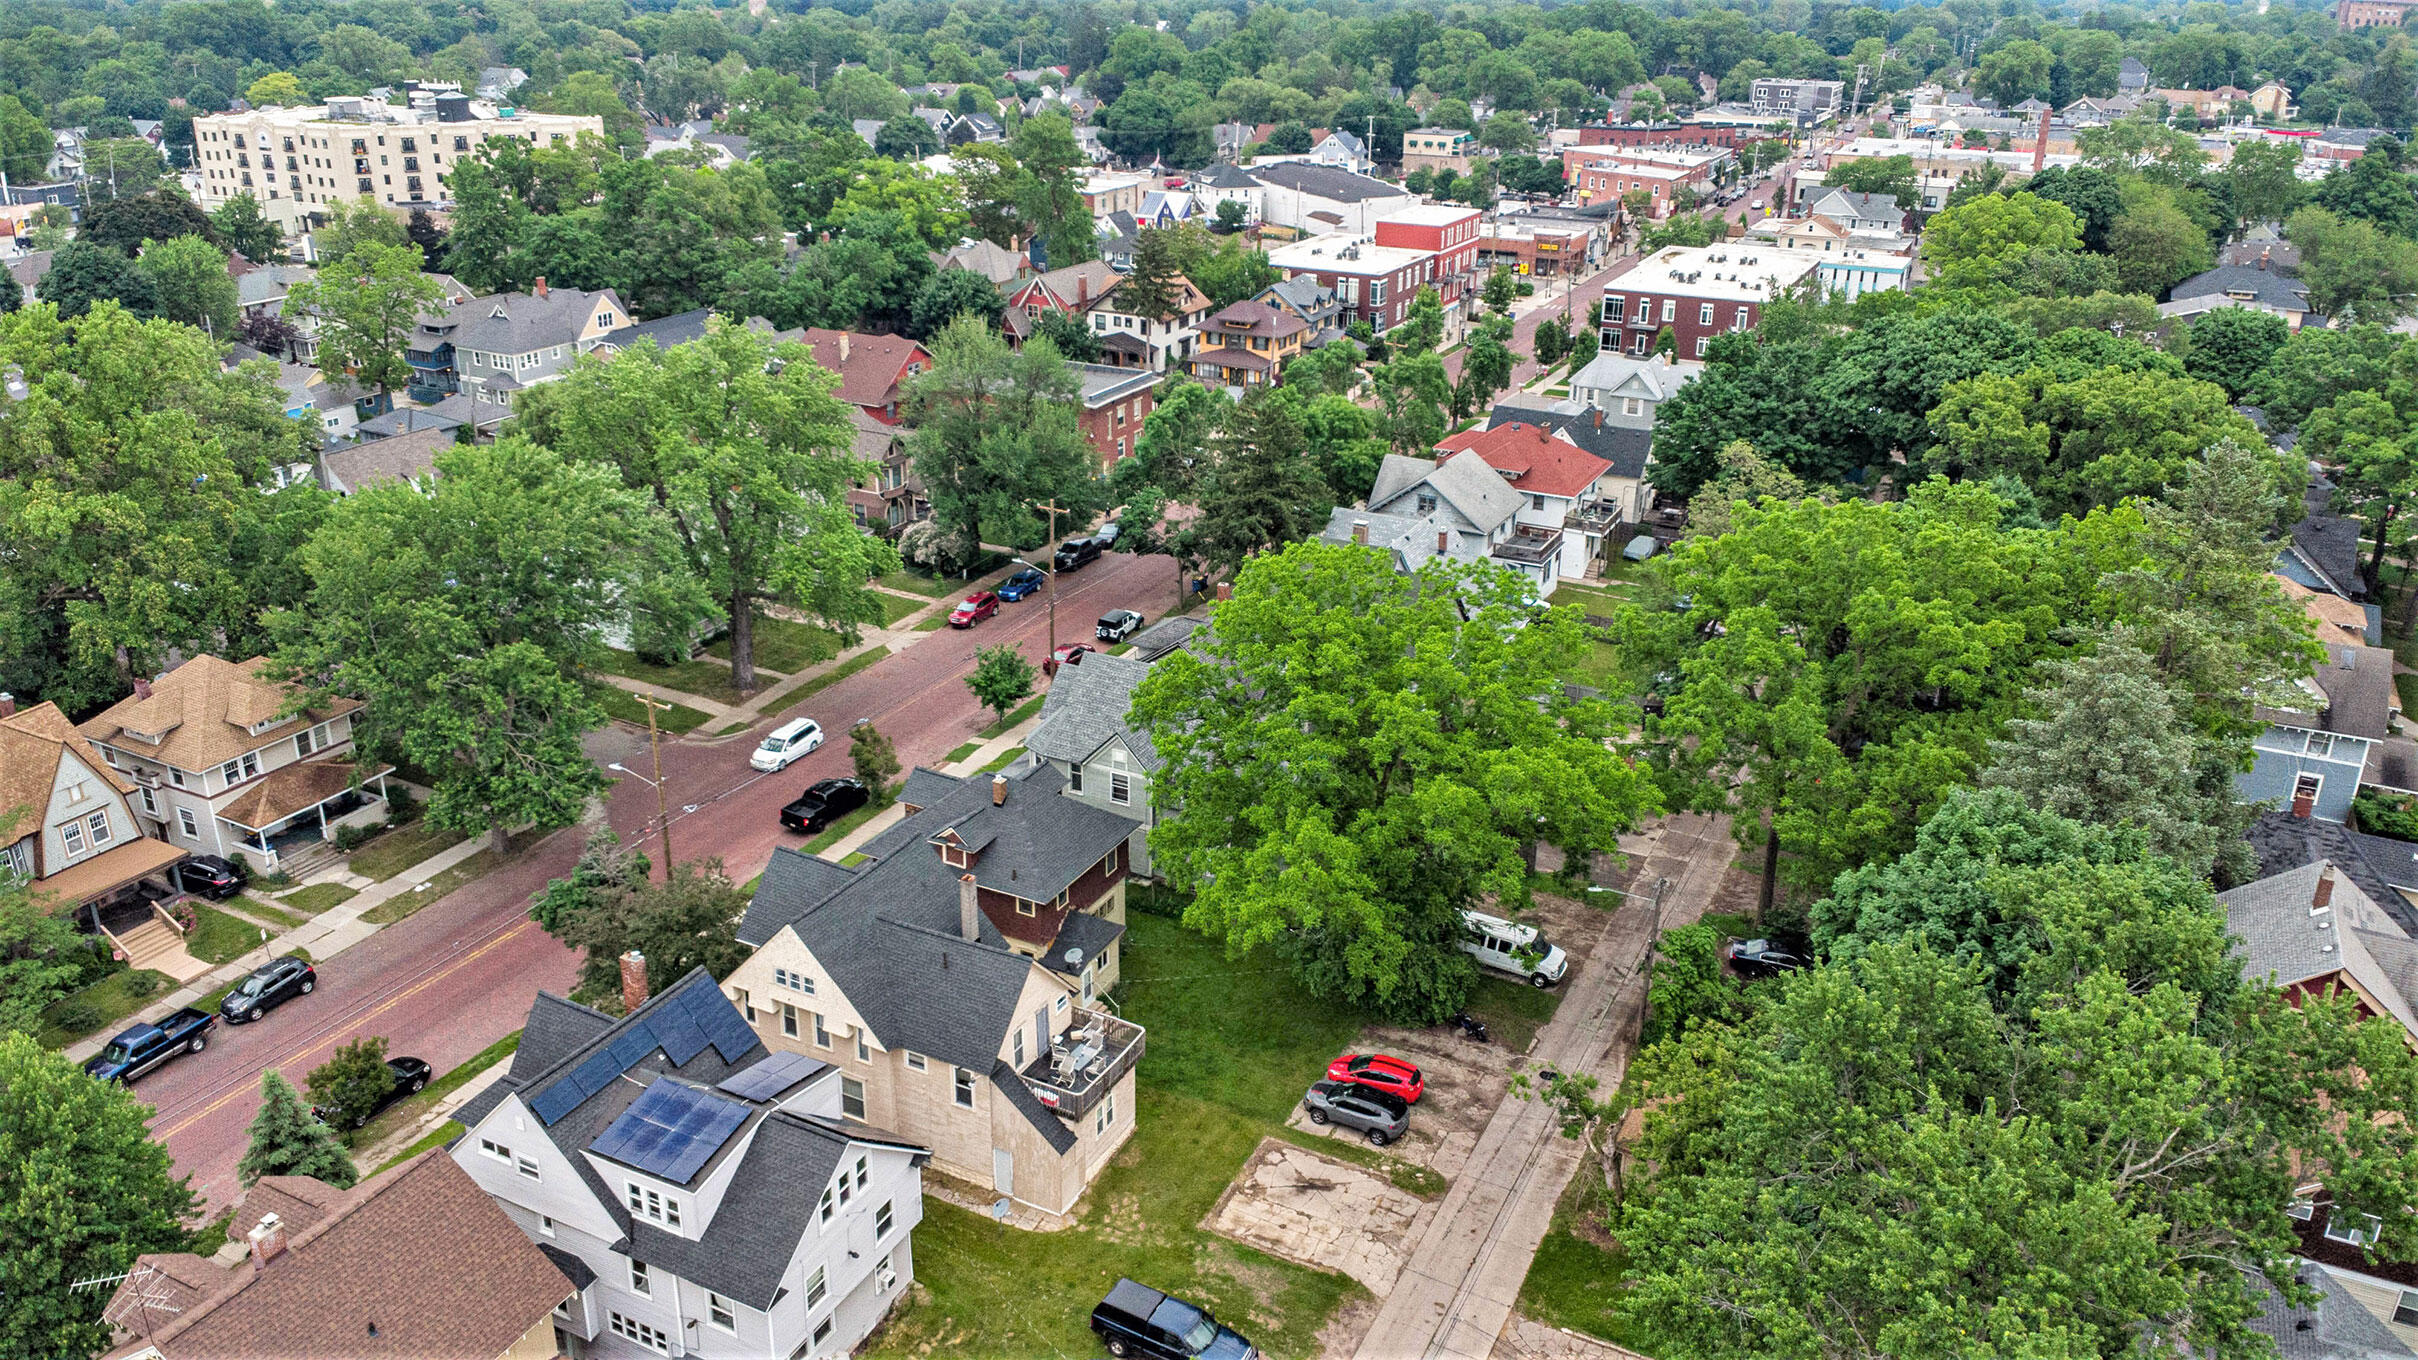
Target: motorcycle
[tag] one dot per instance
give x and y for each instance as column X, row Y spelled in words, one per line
column 1471, row 1027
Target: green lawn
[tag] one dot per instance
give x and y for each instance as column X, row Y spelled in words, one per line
column 830, row 836
column 437, row 1137
column 272, row 912
column 1232, row 1043
column 93, row 1009
column 1575, row 1282
column 1590, row 599
column 786, row 646
column 961, row 753
column 705, row 676
column 908, row 579
column 1740, row 927
column 1513, row 1011
column 217, row 937
column 731, row 728
column 402, row 1113
column 933, row 624
column 1599, row 668
column 402, row 848
column 319, row 897
column 895, row 608
column 395, row 908
column 1015, row 715
column 669, row 717
column 853, row 858
column 837, row 673
column 1002, row 760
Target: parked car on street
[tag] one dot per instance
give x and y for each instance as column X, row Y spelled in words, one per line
column 212, row 877
column 271, row 985
column 1381, row 1115
column 1117, row 625
column 973, row 609
column 1021, row 584
column 1380, row 1072
column 1106, row 535
column 825, row 801
column 1072, row 653
column 1074, row 552
column 410, row 1076
column 1136, row 1319
column 790, row 742
column 143, row 1047
column 1760, row 958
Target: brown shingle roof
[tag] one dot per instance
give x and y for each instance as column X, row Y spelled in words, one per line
column 202, row 712
column 416, row 1264
column 289, row 789
column 31, row 741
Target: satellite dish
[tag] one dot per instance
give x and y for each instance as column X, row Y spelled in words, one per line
column 1074, row 957
column 1001, row 1210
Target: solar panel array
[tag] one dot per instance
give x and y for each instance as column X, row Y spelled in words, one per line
column 671, row 1130
column 682, row 1024
column 773, row 1075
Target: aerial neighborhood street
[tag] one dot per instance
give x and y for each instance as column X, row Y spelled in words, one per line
column 1363, row 681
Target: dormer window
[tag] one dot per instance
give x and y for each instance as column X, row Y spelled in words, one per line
column 653, row 1206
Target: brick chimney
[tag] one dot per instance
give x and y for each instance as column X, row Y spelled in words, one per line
column 1225, row 590
column 2303, row 803
column 633, row 980
column 538, row 288
column 1360, row 532
column 268, row 1240
column 1443, row 540
column 2324, row 895
column 1599, row 417
column 969, row 910
column 998, row 790
column 142, row 688
column 1082, row 290
column 8, row 705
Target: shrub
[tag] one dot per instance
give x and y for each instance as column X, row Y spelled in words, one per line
column 351, row 838
column 2384, row 814
column 401, row 807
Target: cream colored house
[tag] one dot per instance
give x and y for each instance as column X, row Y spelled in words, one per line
column 220, row 761
column 953, row 981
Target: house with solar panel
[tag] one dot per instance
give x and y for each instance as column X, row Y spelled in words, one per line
column 707, row 1195
column 955, row 981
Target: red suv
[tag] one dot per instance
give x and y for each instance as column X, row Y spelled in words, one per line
column 974, row 609
column 1381, row 1072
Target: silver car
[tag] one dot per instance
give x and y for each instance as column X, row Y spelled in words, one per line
column 1379, row 1114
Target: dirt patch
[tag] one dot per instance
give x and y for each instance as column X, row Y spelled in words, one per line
column 1343, row 1332
column 1293, row 1203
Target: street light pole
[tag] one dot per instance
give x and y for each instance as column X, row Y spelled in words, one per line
column 663, row 811
column 1052, row 573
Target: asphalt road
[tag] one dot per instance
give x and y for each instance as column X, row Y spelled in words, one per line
column 460, row 974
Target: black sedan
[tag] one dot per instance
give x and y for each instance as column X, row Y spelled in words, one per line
column 1761, row 958
column 210, row 876
column 825, row 801
column 410, row 1077
column 272, row 984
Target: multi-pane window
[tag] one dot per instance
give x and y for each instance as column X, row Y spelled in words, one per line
column 718, row 1312
column 965, row 1088
column 641, row 1333
column 822, row 1036
column 852, row 1098
column 916, row 1062
column 1107, row 1113
column 796, row 982
column 789, row 1020
column 99, row 822
column 816, row 1288
column 1120, row 790
column 864, row 1051
column 652, row 1205
column 640, row 1281
column 71, row 835
column 881, row 1221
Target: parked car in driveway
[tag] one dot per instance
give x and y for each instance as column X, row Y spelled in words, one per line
column 790, row 742
column 271, row 985
column 1761, row 958
column 1136, row 1319
column 212, row 877
column 139, row 1049
column 973, row 609
column 1381, row 1072
column 1117, row 625
column 1021, row 584
column 410, row 1075
column 825, row 801
column 1381, row 1115
column 1074, row 552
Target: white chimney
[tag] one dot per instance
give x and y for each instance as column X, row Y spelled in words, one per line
column 969, row 910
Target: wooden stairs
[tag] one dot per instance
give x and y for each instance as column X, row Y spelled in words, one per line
column 154, row 945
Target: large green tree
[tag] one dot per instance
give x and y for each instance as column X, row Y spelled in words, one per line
column 1358, row 756
column 740, row 442
column 368, row 310
column 680, row 924
column 2092, row 440
column 287, row 1141
column 1258, row 488
column 83, row 1191
column 189, row 283
column 996, row 435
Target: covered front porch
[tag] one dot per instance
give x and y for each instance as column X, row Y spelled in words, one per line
column 303, row 805
column 120, row 895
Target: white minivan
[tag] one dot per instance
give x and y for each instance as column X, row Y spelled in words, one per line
column 1509, row 947
column 790, row 741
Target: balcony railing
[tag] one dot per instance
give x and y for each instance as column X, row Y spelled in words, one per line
column 1530, row 545
column 1085, row 1062
column 1595, row 517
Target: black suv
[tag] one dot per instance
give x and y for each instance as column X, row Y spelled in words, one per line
column 825, row 801
column 1761, row 958
column 1074, row 552
column 272, row 984
column 1136, row 1319
column 211, row 877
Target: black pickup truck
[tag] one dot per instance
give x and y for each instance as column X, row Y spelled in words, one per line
column 1136, row 1320
column 138, row 1050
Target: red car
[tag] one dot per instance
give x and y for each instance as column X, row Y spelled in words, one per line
column 1072, row 653
column 1380, row 1072
column 974, row 609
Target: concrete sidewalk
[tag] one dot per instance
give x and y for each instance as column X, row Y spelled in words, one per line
column 329, row 933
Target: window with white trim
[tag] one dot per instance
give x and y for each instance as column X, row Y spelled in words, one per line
column 845, row 1188
column 496, row 1150
column 1120, row 788
column 176, row 776
column 186, row 824
column 2405, row 1313
column 1704, row 314
column 718, row 1313
column 640, row 1281
column 916, row 1061
column 816, row 1288
column 965, row 1088
column 18, row 859
column 99, row 824
column 1019, row 1050
column 882, row 1221
column 639, row 1332
column 71, row 835
column 151, row 804
column 653, row 1206
column 822, row 1332
column 1107, row 1113
column 860, row 1173
column 2361, row 1234
column 545, row 1226
column 822, row 1036
column 852, row 1098
column 864, row 1051
column 527, row 1166
column 822, row 1212
column 796, row 982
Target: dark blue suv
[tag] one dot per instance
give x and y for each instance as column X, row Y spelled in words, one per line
column 1137, row 1320
column 1021, row 584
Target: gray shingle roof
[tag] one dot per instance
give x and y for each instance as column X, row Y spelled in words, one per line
column 1035, row 845
column 2338, row 1327
column 1463, row 480
column 770, row 1204
column 2331, row 544
column 518, row 323
column 1011, row 1087
column 2378, row 865
column 2359, row 690
column 1084, row 932
column 926, row 786
column 1165, row 636
column 557, row 1027
column 1623, row 447
column 2286, row 941
column 2270, row 286
column 1326, row 181
column 1086, row 709
column 1223, row 176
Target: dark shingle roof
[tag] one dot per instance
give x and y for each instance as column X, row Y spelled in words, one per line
column 2331, row 544
column 1165, row 636
column 770, row 1204
column 926, row 786
column 518, row 323
column 2337, row 1327
column 1053, row 1130
column 1086, row 709
column 2270, row 286
column 1084, row 932
column 1342, row 186
column 557, row 1027
column 1223, row 176
column 1621, row 446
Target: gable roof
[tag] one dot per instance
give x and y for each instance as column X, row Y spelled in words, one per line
column 556, row 1028
column 871, row 367
column 1624, row 447
column 1409, row 539
column 32, row 743
column 2286, row 939
column 1537, row 462
column 415, row 1264
column 1326, row 181
column 2336, row 1327
column 2270, row 286
column 2330, row 543
column 1461, row 480
column 518, row 323
column 398, row 458
column 1655, row 378
column 1076, row 285
column 1163, row 637
column 1086, row 708
column 993, row 261
column 1861, row 205
column 1224, row 176
column 1259, row 317
column 202, row 711
column 2380, row 866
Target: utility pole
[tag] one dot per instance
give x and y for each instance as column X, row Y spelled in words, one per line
column 663, row 811
column 1054, row 512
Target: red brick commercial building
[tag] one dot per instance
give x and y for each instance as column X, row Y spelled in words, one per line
column 1698, row 293
column 1450, row 232
column 1428, row 245
column 1115, row 402
column 1678, row 134
column 2371, row 13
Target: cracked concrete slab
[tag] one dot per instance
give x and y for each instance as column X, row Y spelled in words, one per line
column 1293, row 1203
